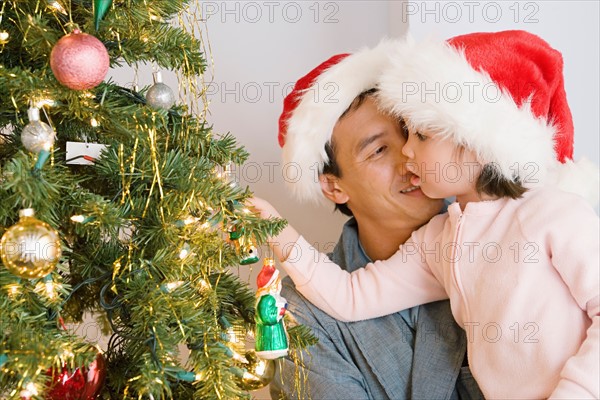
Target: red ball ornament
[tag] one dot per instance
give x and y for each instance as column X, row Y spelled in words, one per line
column 79, row 61
column 84, row 383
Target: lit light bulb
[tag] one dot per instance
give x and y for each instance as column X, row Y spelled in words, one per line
column 203, row 284
column 13, row 289
column 232, row 336
column 157, row 18
column 77, row 218
column 45, row 102
column 82, row 219
column 169, row 287
column 66, row 355
column 185, row 251
column 190, row 220
column 58, row 7
column 4, row 37
column 29, row 391
column 50, row 289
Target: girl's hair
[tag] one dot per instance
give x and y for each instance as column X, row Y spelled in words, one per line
column 491, row 182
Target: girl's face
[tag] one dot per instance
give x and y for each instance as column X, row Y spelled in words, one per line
column 441, row 168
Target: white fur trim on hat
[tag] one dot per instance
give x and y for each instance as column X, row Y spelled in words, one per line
column 432, row 85
column 581, row 177
column 311, row 125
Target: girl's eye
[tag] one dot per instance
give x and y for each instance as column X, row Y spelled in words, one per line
column 420, row 136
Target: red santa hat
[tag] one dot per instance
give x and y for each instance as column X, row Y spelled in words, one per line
column 500, row 94
column 313, row 107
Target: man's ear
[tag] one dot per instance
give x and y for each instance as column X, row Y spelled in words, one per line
column 331, row 189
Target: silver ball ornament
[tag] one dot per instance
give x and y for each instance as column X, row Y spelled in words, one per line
column 37, row 135
column 160, row 95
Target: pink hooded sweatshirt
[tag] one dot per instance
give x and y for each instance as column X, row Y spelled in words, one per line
column 523, row 280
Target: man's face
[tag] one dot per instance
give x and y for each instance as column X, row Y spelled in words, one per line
column 375, row 181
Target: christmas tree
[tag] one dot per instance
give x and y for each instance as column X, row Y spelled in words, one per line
column 119, row 202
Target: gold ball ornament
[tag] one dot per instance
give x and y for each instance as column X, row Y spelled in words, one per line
column 30, row 248
column 258, row 372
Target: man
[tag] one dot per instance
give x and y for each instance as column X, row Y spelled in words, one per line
column 331, row 120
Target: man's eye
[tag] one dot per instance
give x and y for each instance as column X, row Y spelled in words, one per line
column 380, row 150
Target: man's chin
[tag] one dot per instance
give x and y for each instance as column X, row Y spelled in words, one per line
column 422, row 205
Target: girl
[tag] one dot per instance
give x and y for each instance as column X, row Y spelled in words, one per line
column 518, row 259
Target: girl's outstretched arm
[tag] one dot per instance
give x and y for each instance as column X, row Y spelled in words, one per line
column 381, row 288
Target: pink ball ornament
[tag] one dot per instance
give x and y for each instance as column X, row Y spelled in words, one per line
column 79, row 61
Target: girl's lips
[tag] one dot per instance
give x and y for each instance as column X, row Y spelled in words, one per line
column 415, row 180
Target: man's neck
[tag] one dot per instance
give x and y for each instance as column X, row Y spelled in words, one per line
column 379, row 240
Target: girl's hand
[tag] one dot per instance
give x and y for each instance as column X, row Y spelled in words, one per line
column 282, row 244
column 265, row 208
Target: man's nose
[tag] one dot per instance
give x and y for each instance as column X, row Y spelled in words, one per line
column 407, row 150
column 401, row 161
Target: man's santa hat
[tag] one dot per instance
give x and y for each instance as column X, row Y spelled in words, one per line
column 313, row 107
column 499, row 94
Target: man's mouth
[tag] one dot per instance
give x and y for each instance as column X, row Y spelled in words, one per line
column 409, row 189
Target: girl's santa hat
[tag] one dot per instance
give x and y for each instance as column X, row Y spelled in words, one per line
column 500, row 94
column 313, row 107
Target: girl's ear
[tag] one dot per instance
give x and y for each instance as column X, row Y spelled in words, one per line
column 332, row 190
